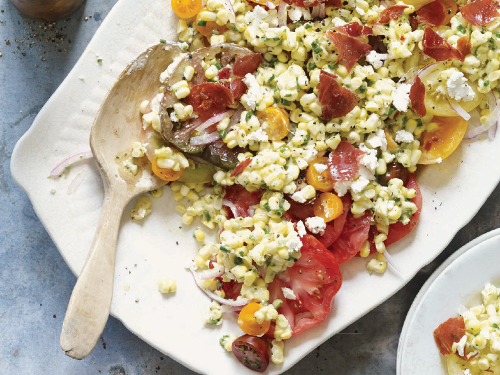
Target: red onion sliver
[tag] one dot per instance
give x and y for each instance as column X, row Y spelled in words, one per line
column 229, row 7
column 493, row 131
column 270, row 5
column 235, row 117
column 379, row 29
column 68, row 161
column 73, row 186
column 209, row 274
column 204, row 139
column 322, row 10
column 214, row 120
column 282, row 15
column 231, row 206
column 491, row 121
column 215, row 297
column 458, row 109
column 315, row 12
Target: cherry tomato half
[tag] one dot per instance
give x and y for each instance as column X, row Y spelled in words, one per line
column 253, row 352
column 247, row 322
column 166, row 174
column 320, row 181
column 205, row 27
column 278, row 123
column 394, row 170
column 328, row 206
column 186, row 8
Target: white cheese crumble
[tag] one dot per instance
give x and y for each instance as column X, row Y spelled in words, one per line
column 258, row 136
column 458, row 88
column 377, row 140
column 320, row 168
column 316, row 225
column 301, row 229
column 298, row 197
column 294, row 245
column 252, row 96
column 288, row 293
column 459, row 347
column 376, row 59
column 404, row 136
column 401, row 97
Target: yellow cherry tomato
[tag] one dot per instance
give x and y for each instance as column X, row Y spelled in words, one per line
column 438, row 144
column 436, row 101
column 166, row 174
column 320, row 181
column 328, row 206
column 186, row 8
column 278, row 123
column 247, row 322
column 205, row 27
column 391, row 143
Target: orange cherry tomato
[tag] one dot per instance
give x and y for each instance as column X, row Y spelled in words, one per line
column 247, row 322
column 438, row 144
column 278, row 123
column 205, row 27
column 166, row 174
column 391, row 143
column 320, row 181
column 186, row 8
column 328, row 206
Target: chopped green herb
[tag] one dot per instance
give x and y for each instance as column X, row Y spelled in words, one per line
column 223, row 134
column 99, row 61
column 308, row 26
column 405, row 120
column 218, row 66
column 248, row 115
column 333, row 65
column 497, row 34
column 495, row 326
column 362, row 89
column 163, row 41
column 206, row 215
column 306, row 139
column 202, row 23
column 391, row 111
column 369, row 82
column 238, row 261
column 271, row 79
column 266, row 206
column 462, row 29
column 311, row 66
column 486, row 83
column 298, row 86
column 225, row 249
column 286, row 102
column 266, row 231
column 298, row 24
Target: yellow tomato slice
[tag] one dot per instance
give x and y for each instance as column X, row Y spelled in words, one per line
column 328, row 206
column 439, row 144
column 436, row 101
column 165, row 173
column 247, row 322
column 320, row 181
column 263, row 2
column 278, row 123
column 205, row 27
column 186, row 8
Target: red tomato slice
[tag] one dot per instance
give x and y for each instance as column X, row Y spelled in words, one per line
column 398, row 231
column 334, row 228
column 449, row 332
column 315, row 279
column 300, row 211
column 354, row 234
column 242, row 198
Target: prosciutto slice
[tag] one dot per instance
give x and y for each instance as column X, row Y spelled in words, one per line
column 350, row 48
column 343, row 162
column 355, row 30
column 393, row 12
column 209, row 99
column 438, row 48
column 480, row 12
column 336, row 101
column 449, row 332
column 431, row 14
column 464, row 47
column 417, row 96
column 247, row 64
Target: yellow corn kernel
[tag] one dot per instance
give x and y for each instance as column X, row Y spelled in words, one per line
column 199, row 235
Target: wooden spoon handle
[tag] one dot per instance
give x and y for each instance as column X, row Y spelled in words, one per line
column 90, row 302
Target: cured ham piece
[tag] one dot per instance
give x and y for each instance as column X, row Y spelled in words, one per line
column 431, row 14
column 438, row 48
column 209, row 99
column 449, row 332
column 247, row 64
column 417, row 96
column 241, row 167
column 343, row 162
column 393, row 12
column 241, row 199
column 350, row 48
column 355, row 30
column 464, row 47
column 480, row 12
column 336, row 101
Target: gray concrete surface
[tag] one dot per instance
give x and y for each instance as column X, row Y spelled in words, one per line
column 35, row 283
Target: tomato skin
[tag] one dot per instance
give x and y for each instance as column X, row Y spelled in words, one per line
column 320, row 181
column 279, row 124
column 300, row 211
column 186, row 8
column 253, row 352
column 328, row 206
column 206, row 30
column 394, row 170
column 354, row 234
column 165, row 174
column 334, row 228
column 247, row 322
column 315, row 279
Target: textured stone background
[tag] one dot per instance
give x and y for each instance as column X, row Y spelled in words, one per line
column 35, row 283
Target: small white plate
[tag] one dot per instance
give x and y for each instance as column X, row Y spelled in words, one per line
column 458, row 281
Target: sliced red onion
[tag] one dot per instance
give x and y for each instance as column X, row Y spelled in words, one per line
column 282, row 15
column 462, row 310
column 315, row 12
column 229, row 7
column 493, row 131
column 214, row 120
column 73, row 186
column 491, row 122
column 322, row 10
column 68, row 161
column 235, row 117
column 426, row 70
column 204, row 139
column 270, row 5
column 379, row 29
column 474, row 127
column 212, row 273
column 458, row 109
column 231, row 206
column 196, row 159
column 215, row 297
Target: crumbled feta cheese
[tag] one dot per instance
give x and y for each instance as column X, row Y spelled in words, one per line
column 288, row 293
column 296, row 13
column 377, row 140
column 252, row 96
column 341, row 187
column 316, row 225
column 401, row 97
column 301, row 229
column 258, row 136
column 404, row 136
column 298, row 197
column 320, row 168
column 439, row 160
column 458, row 88
column 376, row 59
column 459, row 347
column 294, row 245
column 359, row 184
column 369, row 159
column 337, row 22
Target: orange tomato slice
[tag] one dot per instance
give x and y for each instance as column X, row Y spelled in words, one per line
column 205, row 27
column 278, row 123
column 328, row 206
column 247, row 322
column 166, row 174
column 186, row 8
column 320, row 181
column 440, row 143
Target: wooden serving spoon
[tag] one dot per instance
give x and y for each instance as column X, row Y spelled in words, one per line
column 116, row 126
